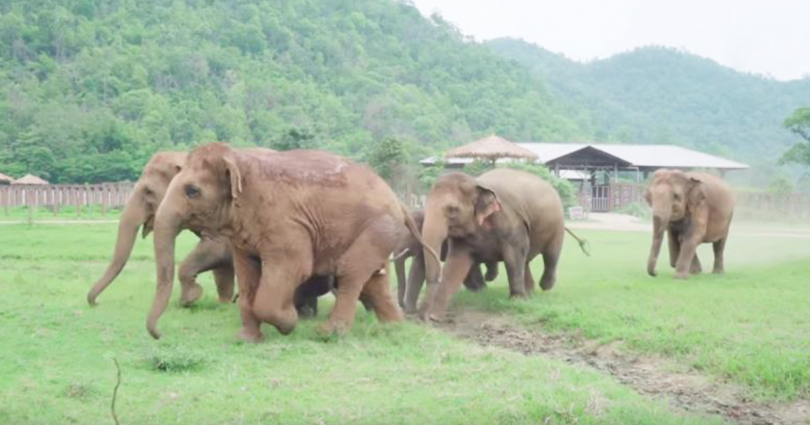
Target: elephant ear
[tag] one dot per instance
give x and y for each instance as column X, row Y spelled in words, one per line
column 486, row 204
column 235, row 177
column 648, row 196
column 696, row 195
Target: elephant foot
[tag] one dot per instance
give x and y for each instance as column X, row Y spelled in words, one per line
column 250, row 336
column 332, row 327
column 719, row 270
column 548, row 285
column 190, row 295
column 682, row 276
column 307, row 312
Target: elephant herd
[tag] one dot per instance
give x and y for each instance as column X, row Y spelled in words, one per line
column 292, row 226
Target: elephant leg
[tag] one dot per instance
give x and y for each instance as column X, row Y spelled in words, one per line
column 248, row 273
column 416, row 277
column 402, row 282
column 674, row 248
column 528, row 279
column 274, row 302
column 549, row 277
column 378, row 293
column 719, row 248
column 475, row 279
column 685, row 259
column 515, row 256
column 492, row 271
column 206, row 256
column 358, row 265
column 224, row 280
column 695, row 267
column 455, row 269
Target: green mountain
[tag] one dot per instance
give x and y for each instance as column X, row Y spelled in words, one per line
column 89, row 89
column 663, row 95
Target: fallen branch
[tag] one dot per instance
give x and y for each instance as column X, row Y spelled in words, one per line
column 115, row 391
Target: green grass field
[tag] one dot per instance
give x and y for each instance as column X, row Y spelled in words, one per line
column 750, row 326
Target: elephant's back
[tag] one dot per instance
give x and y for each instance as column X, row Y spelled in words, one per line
column 532, row 198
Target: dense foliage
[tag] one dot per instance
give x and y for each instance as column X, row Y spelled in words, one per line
column 89, row 89
column 663, row 95
column 799, row 123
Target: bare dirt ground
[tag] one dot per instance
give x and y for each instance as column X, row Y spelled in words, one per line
column 623, row 222
column 683, row 389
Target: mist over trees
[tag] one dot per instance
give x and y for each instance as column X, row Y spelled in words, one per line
column 90, row 89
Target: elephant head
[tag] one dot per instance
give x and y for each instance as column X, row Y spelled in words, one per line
column 457, row 206
column 201, row 198
column 139, row 211
column 672, row 194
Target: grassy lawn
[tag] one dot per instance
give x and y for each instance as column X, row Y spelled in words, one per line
column 56, row 353
column 751, row 325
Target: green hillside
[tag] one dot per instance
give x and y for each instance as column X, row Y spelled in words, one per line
column 89, row 89
column 663, row 95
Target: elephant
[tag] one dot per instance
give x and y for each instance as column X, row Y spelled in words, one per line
column 408, row 289
column 693, row 208
column 503, row 215
column 288, row 216
column 210, row 254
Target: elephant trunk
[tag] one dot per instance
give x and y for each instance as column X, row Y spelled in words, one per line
column 167, row 226
column 134, row 215
column 660, row 223
column 434, row 232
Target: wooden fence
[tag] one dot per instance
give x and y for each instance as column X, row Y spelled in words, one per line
column 107, row 195
column 612, row 197
column 773, row 205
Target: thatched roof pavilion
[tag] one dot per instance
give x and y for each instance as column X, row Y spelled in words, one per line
column 4, row 179
column 30, row 179
column 491, row 148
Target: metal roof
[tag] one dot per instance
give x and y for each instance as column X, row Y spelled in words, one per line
column 643, row 156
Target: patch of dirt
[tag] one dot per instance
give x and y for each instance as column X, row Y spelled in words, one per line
column 689, row 391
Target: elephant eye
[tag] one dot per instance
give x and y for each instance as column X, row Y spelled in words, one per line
column 191, row 191
column 677, row 196
column 451, row 211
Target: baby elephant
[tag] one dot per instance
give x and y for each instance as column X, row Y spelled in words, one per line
column 693, row 208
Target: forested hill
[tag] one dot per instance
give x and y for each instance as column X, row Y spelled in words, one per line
column 662, row 95
column 89, row 89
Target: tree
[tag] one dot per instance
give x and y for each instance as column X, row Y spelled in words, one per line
column 388, row 158
column 798, row 123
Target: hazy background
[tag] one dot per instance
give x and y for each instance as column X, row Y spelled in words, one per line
column 763, row 37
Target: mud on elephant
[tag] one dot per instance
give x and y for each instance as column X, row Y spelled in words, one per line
column 692, row 208
column 503, row 215
column 288, row 216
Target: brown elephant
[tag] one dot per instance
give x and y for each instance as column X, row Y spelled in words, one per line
column 503, row 215
column 408, row 288
column 693, row 208
column 209, row 254
column 288, row 216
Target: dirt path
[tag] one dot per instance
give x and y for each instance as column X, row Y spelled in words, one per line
column 686, row 390
column 627, row 223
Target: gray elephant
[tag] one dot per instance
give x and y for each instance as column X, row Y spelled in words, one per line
column 693, row 208
column 139, row 213
column 408, row 288
column 503, row 215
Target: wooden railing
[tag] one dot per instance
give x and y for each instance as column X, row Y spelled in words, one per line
column 107, row 195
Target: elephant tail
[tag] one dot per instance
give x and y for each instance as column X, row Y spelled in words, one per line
column 583, row 243
column 414, row 229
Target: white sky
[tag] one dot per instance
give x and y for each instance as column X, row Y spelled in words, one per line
column 768, row 37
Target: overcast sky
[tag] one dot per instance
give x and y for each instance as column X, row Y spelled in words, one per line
column 769, row 37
